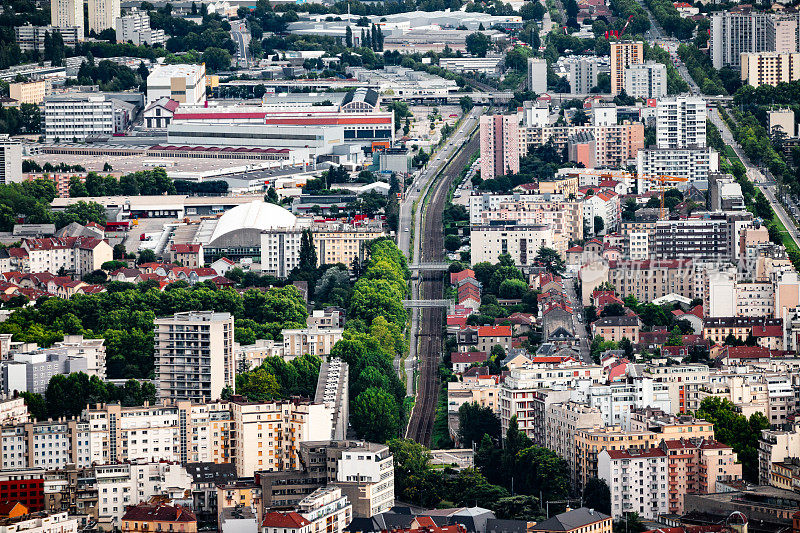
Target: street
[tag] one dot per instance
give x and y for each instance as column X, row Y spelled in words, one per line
column 577, row 320
column 241, row 37
column 755, row 175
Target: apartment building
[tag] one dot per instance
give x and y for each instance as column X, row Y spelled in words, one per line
column 776, row 446
column 333, row 391
column 690, row 164
column 537, row 75
column 679, row 380
column 10, row 160
column 711, row 237
column 770, row 68
column 589, row 442
column 668, row 425
column 681, row 122
column 637, row 479
column 616, row 401
column 522, row 243
column 483, row 391
column 314, row 340
column 103, row 14
column 28, row 92
column 519, row 389
column 265, row 436
column 500, row 145
column 613, row 145
column 41, row 522
column 135, row 27
column 364, row 472
column 582, row 73
column 74, row 255
column 194, row 357
column 623, row 54
column 651, row 279
column 342, row 243
column 565, row 216
column 158, row 517
column 185, row 84
column 733, row 33
column 563, row 420
column 31, row 38
column 646, row 80
column 615, row 328
column 67, row 13
column 715, row 329
column 77, row 116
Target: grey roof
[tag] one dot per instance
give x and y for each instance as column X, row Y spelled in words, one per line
column 362, row 94
column 211, row 472
column 495, row 525
column 571, row 520
column 617, row 321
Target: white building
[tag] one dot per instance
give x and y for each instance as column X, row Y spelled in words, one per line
column 186, row 84
column 75, row 255
column 690, row 163
column 10, row 160
column 328, row 510
column 76, row 116
column 606, row 205
column 681, row 122
column 135, row 27
column 617, row 400
column 43, row 522
column 31, row 38
column 103, row 14
column 314, row 340
column 521, row 242
column 367, row 467
column 477, row 65
column 194, row 355
column 637, row 479
column 582, row 74
column 646, row 80
column 537, row 75
column 64, row 13
column 124, row 484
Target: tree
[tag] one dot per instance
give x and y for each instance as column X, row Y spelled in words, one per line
column 477, row 44
column 466, row 103
column 375, row 415
column 452, row 243
column 216, row 59
column 474, row 422
column 348, row 37
column 599, row 225
column 146, row 255
column 259, row 385
column 597, row 495
column 579, row 118
column 613, row 309
column 551, row 259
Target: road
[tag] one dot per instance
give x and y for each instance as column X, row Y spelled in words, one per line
column 241, row 37
column 756, row 176
column 430, row 286
column 577, row 320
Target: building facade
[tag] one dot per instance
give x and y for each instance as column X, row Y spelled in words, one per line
column 500, row 153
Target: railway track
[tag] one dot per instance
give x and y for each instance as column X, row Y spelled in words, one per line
column 420, row 423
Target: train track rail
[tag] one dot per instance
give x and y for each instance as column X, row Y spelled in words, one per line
column 420, row 424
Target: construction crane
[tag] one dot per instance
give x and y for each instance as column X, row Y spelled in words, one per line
column 662, row 181
column 625, row 27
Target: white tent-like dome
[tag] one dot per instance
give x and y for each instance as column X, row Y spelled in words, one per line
column 245, row 222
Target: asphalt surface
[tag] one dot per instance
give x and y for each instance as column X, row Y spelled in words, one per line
column 241, row 37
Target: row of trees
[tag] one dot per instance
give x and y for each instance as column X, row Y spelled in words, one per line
column 670, row 19
column 142, row 182
column 372, row 339
column 18, row 120
column 124, row 317
column 31, row 200
column 276, row 379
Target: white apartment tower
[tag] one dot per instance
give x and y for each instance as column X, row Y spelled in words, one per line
column 646, row 80
column 103, row 14
column 194, row 357
column 10, row 160
column 65, row 13
column 681, row 123
column 583, row 74
column 537, row 75
column 135, row 27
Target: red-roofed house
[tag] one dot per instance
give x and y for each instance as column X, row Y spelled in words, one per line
column 189, row 255
column 469, row 295
column 281, row 522
column 457, row 277
column 520, row 322
column 463, row 360
column 222, row 265
column 489, row 336
column 158, row 517
column 769, row 336
column 78, row 255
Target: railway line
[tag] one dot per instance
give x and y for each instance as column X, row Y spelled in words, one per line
column 420, row 423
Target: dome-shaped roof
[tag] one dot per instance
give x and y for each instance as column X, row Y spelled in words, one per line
column 255, row 215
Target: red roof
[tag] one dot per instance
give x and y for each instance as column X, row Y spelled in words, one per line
column 290, row 520
column 767, row 331
column 494, row 331
column 158, row 513
column 635, row 454
column 185, row 248
column 455, row 277
column 205, row 272
column 468, row 357
column 575, row 249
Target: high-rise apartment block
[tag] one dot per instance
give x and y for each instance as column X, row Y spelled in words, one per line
column 31, row 38
column 499, row 145
column 740, row 32
column 646, row 80
column 623, row 54
column 537, row 75
column 194, row 357
column 66, row 13
column 681, row 122
column 10, row 160
column 582, row 74
column 770, row 68
column 135, row 27
column 103, row 14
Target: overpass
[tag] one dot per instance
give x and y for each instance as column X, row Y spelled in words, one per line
column 426, row 304
column 429, row 266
